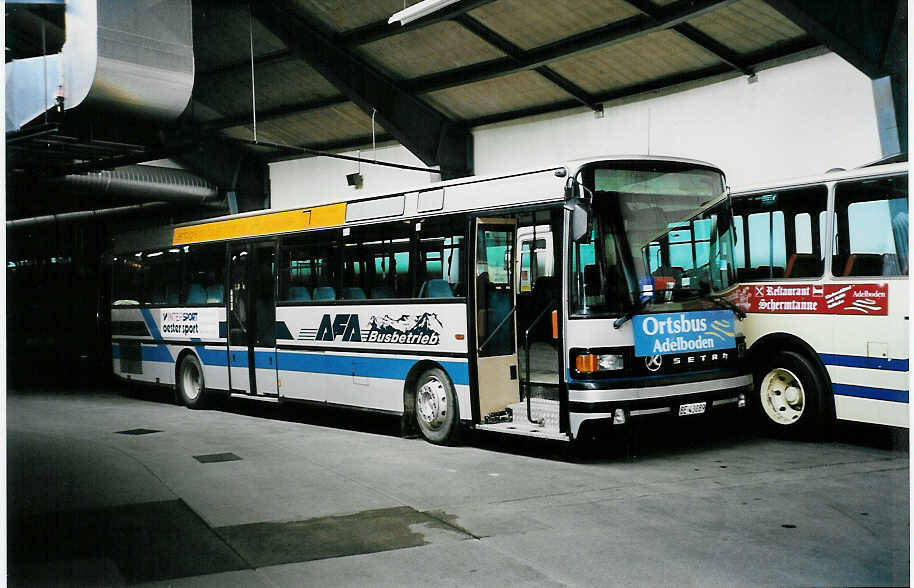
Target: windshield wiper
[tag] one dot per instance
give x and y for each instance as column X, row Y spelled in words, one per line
column 617, row 324
column 739, row 312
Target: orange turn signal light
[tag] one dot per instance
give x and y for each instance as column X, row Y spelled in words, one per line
column 555, row 324
column 585, row 364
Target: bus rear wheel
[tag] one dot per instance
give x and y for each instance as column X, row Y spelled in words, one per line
column 791, row 397
column 191, row 385
column 436, row 407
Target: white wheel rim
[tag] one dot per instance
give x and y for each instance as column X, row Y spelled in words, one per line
column 431, row 403
column 782, row 396
column 191, row 380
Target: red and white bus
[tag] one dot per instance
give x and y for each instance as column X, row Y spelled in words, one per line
column 822, row 272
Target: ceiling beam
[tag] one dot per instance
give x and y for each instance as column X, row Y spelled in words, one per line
column 515, row 52
column 610, row 34
column 381, row 30
column 273, row 113
column 755, row 60
column 693, row 34
column 431, row 136
column 244, row 65
column 858, row 31
column 353, row 38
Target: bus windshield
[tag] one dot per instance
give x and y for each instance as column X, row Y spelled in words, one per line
column 621, row 265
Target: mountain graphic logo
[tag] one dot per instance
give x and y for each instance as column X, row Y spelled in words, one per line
column 423, row 329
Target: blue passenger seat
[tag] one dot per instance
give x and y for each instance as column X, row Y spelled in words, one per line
column 324, row 293
column 381, row 292
column 214, row 294
column 352, row 293
column 196, row 294
column 171, row 293
column 299, row 293
column 436, row 288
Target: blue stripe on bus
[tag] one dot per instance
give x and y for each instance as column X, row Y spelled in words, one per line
column 365, row 366
column 157, row 353
column 151, row 323
column 150, row 352
column 875, row 363
column 341, row 365
column 218, row 357
column 874, row 393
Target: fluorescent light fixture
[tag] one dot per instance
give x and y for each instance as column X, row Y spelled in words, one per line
column 419, row 10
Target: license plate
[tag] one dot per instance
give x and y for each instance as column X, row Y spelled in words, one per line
column 693, row 408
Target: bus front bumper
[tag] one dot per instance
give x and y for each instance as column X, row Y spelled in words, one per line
column 604, row 405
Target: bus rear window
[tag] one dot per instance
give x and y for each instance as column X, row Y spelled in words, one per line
column 871, row 228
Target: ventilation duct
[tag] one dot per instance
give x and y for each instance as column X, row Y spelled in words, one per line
column 82, row 215
column 135, row 57
column 142, row 182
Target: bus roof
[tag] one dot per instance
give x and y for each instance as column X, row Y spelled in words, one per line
column 838, row 175
column 473, row 193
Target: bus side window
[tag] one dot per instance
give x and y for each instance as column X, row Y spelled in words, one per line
column 129, row 276
column 441, row 266
column 353, row 276
column 775, row 234
column 204, row 274
column 308, row 271
column 871, row 228
column 379, row 267
column 163, row 280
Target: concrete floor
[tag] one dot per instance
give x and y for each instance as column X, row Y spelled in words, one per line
column 106, row 489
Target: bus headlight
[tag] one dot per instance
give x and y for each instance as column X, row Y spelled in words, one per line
column 589, row 363
column 609, row 362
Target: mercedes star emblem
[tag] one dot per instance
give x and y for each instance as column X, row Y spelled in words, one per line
column 653, row 362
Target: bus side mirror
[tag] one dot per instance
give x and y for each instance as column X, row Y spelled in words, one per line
column 579, row 222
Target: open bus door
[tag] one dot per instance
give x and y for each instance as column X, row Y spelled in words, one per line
column 252, row 319
column 496, row 342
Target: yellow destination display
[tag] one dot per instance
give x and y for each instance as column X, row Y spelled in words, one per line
column 262, row 224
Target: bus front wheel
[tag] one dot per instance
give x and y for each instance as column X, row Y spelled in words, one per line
column 436, row 407
column 191, row 385
column 791, row 397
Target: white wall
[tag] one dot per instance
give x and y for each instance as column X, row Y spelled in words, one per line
column 797, row 119
column 316, row 180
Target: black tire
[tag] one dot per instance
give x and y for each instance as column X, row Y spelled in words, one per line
column 437, row 411
column 191, row 385
column 791, row 398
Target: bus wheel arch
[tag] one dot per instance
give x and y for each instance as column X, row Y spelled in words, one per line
column 430, row 405
column 792, row 394
column 190, row 383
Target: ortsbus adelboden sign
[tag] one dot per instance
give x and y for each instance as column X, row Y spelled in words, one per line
column 683, row 332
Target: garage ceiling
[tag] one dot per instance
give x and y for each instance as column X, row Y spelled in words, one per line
column 317, row 70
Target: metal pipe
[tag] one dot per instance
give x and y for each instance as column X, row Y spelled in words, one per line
column 142, row 182
column 319, row 153
column 82, row 215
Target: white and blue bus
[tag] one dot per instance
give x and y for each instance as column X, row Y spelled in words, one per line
column 409, row 303
column 822, row 269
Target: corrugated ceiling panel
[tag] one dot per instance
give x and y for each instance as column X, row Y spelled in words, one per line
column 532, row 23
column 335, row 123
column 747, row 26
column 290, row 81
column 430, row 49
column 633, row 62
column 512, row 92
column 344, row 15
column 278, row 84
column 221, row 36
